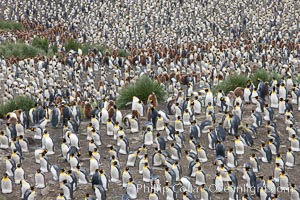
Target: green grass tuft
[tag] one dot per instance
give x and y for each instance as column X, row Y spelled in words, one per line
column 265, row 76
column 20, row 102
column 143, row 87
column 10, row 25
column 72, row 44
column 20, row 50
column 41, row 43
column 231, row 83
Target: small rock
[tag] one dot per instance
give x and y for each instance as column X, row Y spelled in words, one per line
column 45, row 191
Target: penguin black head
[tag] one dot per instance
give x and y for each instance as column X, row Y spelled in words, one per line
column 277, row 165
column 90, row 153
column 270, row 177
column 167, row 183
column 293, row 185
column 263, row 144
column 278, row 155
column 38, row 171
column 184, row 193
column 253, row 155
column 130, row 180
column 64, row 181
column 87, row 195
column 19, row 165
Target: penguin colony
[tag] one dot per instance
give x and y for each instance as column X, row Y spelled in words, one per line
column 75, row 143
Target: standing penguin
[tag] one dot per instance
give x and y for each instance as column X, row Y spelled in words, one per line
column 266, row 153
column 134, row 124
column 30, row 194
column 82, row 175
column 247, row 94
column 170, row 192
column 257, row 118
column 10, row 166
column 4, row 140
column 126, row 175
column 284, row 181
column 94, row 164
column 205, row 192
column 148, row 137
column 294, row 192
column 254, row 161
column 232, row 160
column 6, row 184
column 132, row 189
column 295, row 143
column 271, row 185
column 239, row 146
column 109, row 127
column 146, row 173
column 124, row 145
column 39, row 178
column 104, row 179
column 24, row 186
column 274, row 100
column 200, row 176
column 218, row 183
column 19, row 174
column 281, row 106
column 175, row 151
column 290, row 158
column 115, row 173
column 67, row 189
column 179, row 126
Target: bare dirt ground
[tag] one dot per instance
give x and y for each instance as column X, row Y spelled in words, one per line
column 115, row 190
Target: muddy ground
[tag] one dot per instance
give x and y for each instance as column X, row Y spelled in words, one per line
column 115, row 190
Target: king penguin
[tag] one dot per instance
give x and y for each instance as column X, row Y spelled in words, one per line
column 115, row 173
column 232, row 160
column 218, row 183
column 205, row 192
column 39, row 178
column 132, row 189
column 266, row 153
column 131, row 158
column 200, row 176
column 67, row 189
column 6, row 184
column 290, row 158
column 100, row 192
column 254, row 162
column 147, row 171
column 126, row 175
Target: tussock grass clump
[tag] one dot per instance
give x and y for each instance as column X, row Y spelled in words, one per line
column 264, row 75
column 41, row 43
column 10, row 25
column 20, row 102
column 231, row 83
column 20, row 50
column 143, row 87
column 72, row 44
